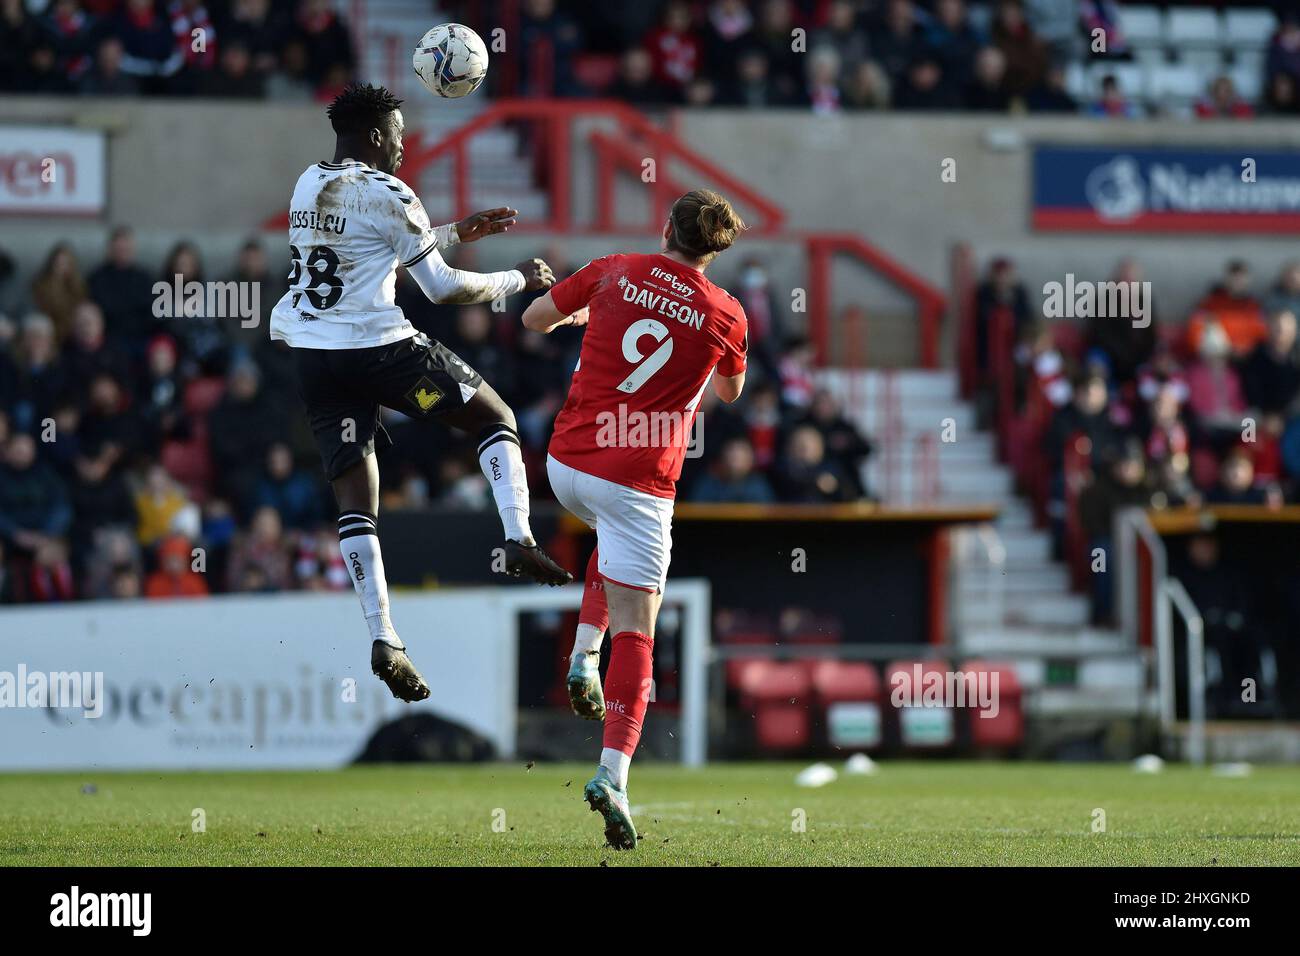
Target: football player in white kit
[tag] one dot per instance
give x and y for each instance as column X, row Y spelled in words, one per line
column 351, row 224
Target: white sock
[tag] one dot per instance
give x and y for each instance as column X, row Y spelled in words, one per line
column 503, row 466
column 359, row 542
column 587, row 640
column 617, row 763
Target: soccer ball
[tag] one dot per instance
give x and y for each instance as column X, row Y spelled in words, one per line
column 450, row 60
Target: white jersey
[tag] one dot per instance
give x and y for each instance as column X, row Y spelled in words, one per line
column 350, row 227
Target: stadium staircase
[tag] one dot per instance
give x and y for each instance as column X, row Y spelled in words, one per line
column 1011, row 601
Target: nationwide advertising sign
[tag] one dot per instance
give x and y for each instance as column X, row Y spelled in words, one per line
column 1181, row 189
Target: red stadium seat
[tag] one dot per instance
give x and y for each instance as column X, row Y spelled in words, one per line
column 925, row 727
column 850, row 693
column 203, row 394
column 1006, row 728
column 779, row 693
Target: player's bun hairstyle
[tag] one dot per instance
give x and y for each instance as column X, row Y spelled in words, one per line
column 360, row 108
column 703, row 224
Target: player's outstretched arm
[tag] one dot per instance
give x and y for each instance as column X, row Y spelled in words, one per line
column 447, row 286
column 542, row 315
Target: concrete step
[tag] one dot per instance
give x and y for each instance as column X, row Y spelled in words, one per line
column 1044, row 641
column 1034, row 609
column 1047, row 579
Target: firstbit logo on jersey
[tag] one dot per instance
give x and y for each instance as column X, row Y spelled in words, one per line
column 655, row 302
column 680, row 287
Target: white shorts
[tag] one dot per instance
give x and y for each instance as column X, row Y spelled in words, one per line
column 633, row 528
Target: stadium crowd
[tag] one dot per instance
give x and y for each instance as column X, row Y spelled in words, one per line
column 165, row 457
column 1202, row 411
column 851, row 55
column 994, row 56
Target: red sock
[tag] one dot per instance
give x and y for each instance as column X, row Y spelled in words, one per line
column 627, row 689
column 595, row 611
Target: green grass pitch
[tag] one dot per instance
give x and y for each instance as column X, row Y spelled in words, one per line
column 927, row 813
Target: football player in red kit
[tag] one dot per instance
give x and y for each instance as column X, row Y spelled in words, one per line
column 657, row 332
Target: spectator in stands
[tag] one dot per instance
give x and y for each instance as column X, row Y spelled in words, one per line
column 325, row 38
column 823, row 81
column 1285, row 294
column 201, row 335
column 550, row 40
column 106, row 78
column 763, row 423
column 1284, row 48
column 59, row 288
column 1124, row 344
column 36, row 381
column 867, row 87
column 152, row 54
column 1113, row 102
column 1230, row 303
column 1223, row 101
column 241, row 430
column 292, row 492
column 1237, row 485
column 636, row 83
column 732, row 478
column 19, row 36
column 751, row 86
column 175, row 576
column 1270, row 373
column 1281, row 97
column 1052, row 96
column 897, row 39
column 1101, row 22
column 35, row 515
column 729, row 30
column 806, row 475
column 842, row 440
column 1088, row 413
column 161, row 507
column 754, row 292
column 924, row 87
column 73, row 31
column 260, row 557
column 290, row 81
column 319, row 564
column 796, row 368
column 1167, row 433
column 101, row 501
column 124, row 292
column 161, row 391
column 111, row 427
column 1236, row 638
column 1025, row 52
column 987, row 92
column 842, row 34
column 674, row 47
column 1123, row 482
column 236, row 78
column 260, row 28
column 952, row 40
column 1215, row 395
column 196, row 37
column 785, row 66
column 87, row 352
column 1000, row 294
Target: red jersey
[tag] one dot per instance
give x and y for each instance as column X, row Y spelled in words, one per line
column 656, row 333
